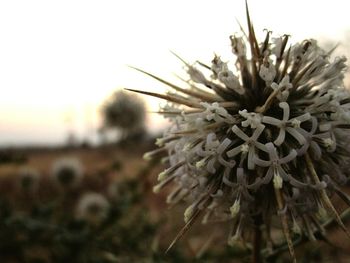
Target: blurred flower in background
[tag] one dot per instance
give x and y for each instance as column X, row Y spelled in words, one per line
column 124, row 112
column 28, row 180
column 67, row 173
column 92, row 208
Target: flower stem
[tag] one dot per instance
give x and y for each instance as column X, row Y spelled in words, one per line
column 284, row 221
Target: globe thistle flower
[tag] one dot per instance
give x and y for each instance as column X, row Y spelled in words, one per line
column 28, row 180
column 92, row 208
column 267, row 138
column 125, row 112
column 67, row 173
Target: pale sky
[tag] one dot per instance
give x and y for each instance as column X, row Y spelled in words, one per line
column 60, row 59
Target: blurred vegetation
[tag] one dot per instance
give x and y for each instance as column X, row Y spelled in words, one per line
column 37, row 227
column 40, row 224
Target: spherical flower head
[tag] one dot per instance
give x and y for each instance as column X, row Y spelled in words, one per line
column 272, row 137
column 67, row 173
column 28, row 180
column 92, row 208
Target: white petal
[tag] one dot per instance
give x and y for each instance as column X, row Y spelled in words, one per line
column 223, row 146
column 272, row 121
column 291, row 156
column 251, row 155
column 285, row 107
column 240, row 133
column 234, row 151
column 260, row 162
column 299, row 137
column 280, row 138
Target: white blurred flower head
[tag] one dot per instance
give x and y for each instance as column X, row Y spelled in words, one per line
column 67, row 172
column 92, row 208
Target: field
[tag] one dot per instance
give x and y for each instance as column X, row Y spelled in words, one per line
column 43, row 225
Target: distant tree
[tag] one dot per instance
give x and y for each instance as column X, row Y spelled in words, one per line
column 124, row 112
